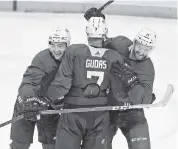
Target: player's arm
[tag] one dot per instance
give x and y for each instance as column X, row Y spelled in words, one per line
column 138, row 87
column 29, row 102
column 142, row 92
column 32, row 78
column 61, row 84
column 119, row 43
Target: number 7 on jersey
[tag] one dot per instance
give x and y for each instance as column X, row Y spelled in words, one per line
column 98, row 74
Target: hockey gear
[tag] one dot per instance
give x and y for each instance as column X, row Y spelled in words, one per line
column 134, row 127
column 76, row 125
column 96, row 28
column 143, row 44
column 162, row 103
column 139, row 51
column 60, row 35
column 12, row 120
column 19, row 145
column 126, row 75
column 22, row 130
column 48, row 146
column 146, row 37
column 105, row 5
column 31, row 106
column 59, row 40
column 94, row 12
column 91, row 90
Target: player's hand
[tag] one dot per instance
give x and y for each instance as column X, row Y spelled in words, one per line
column 125, row 74
column 93, row 12
column 31, row 106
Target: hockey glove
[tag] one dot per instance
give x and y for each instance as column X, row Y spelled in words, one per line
column 125, row 74
column 91, row 90
column 93, row 12
column 31, row 106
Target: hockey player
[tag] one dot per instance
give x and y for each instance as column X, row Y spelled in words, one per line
column 83, row 79
column 132, row 83
column 133, row 123
column 32, row 95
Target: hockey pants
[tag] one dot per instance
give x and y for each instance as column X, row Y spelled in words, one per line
column 87, row 130
column 134, row 127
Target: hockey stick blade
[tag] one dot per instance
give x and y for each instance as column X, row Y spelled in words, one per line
column 105, row 5
column 162, row 103
column 167, row 96
column 12, row 120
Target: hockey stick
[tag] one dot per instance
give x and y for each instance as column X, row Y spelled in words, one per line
column 102, row 7
column 162, row 103
column 105, row 5
column 12, row 120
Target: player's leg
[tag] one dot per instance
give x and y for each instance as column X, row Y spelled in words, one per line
column 47, row 127
column 97, row 136
column 17, row 145
column 69, row 132
column 48, row 146
column 136, row 130
column 112, row 132
column 113, row 128
column 21, row 132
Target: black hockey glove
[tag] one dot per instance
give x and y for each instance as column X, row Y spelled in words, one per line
column 91, row 90
column 93, row 12
column 125, row 74
column 31, row 106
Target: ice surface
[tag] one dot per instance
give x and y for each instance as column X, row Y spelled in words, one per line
column 22, row 35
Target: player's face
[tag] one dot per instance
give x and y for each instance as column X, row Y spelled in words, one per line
column 57, row 49
column 141, row 51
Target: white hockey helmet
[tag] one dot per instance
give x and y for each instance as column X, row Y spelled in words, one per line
column 96, row 28
column 60, row 35
column 146, row 37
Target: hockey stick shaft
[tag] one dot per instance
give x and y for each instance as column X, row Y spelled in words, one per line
column 162, row 103
column 12, row 120
column 105, row 5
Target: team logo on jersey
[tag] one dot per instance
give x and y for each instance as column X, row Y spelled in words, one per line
column 97, row 53
column 96, row 63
